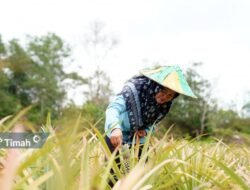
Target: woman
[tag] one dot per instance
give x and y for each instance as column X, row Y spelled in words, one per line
column 144, row 101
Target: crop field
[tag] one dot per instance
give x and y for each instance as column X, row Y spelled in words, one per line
column 74, row 158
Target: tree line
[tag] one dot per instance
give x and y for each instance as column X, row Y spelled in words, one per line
column 32, row 73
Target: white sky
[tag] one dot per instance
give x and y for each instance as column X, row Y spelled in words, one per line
column 215, row 32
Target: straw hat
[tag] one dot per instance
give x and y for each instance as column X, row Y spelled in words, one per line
column 170, row 77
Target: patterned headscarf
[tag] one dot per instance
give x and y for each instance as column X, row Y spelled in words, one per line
column 143, row 110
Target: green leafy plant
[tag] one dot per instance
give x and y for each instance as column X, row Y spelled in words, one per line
column 74, row 158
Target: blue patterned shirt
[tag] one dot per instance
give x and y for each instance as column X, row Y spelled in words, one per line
column 117, row 117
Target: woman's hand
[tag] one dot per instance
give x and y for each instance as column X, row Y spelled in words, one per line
column 141, row 133
column 116, row 137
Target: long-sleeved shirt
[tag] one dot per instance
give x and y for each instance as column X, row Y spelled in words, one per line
column 117, row 117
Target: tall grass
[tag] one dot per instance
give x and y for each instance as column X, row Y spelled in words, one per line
column 73, row 157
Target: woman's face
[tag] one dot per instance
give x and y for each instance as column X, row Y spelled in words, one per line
column 164, row 96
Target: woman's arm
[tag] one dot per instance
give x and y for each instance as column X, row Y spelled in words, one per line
column 113, row 122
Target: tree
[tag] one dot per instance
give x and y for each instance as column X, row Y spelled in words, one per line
column 99, row 88
column 48, row 53
column 12, row 76
column 246, row 107
column 98, row 44
column 9, row 103
column 34, row 74
column 2, row 48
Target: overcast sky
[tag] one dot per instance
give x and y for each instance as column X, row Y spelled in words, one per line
column 215, row 32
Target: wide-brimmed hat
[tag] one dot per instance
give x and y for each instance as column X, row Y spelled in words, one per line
column 170, row 77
